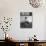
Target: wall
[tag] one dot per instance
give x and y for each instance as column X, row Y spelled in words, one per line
column 12, row 8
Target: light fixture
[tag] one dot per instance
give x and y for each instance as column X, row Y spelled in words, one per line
column 35, row 3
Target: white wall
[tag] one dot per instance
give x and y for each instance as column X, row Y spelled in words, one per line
column 12, row 8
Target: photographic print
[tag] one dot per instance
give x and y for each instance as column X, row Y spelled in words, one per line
column 25, row 19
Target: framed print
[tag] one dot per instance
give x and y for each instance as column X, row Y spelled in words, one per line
column 25, row 19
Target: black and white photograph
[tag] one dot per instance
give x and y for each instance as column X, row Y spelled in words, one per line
column 25, row 19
